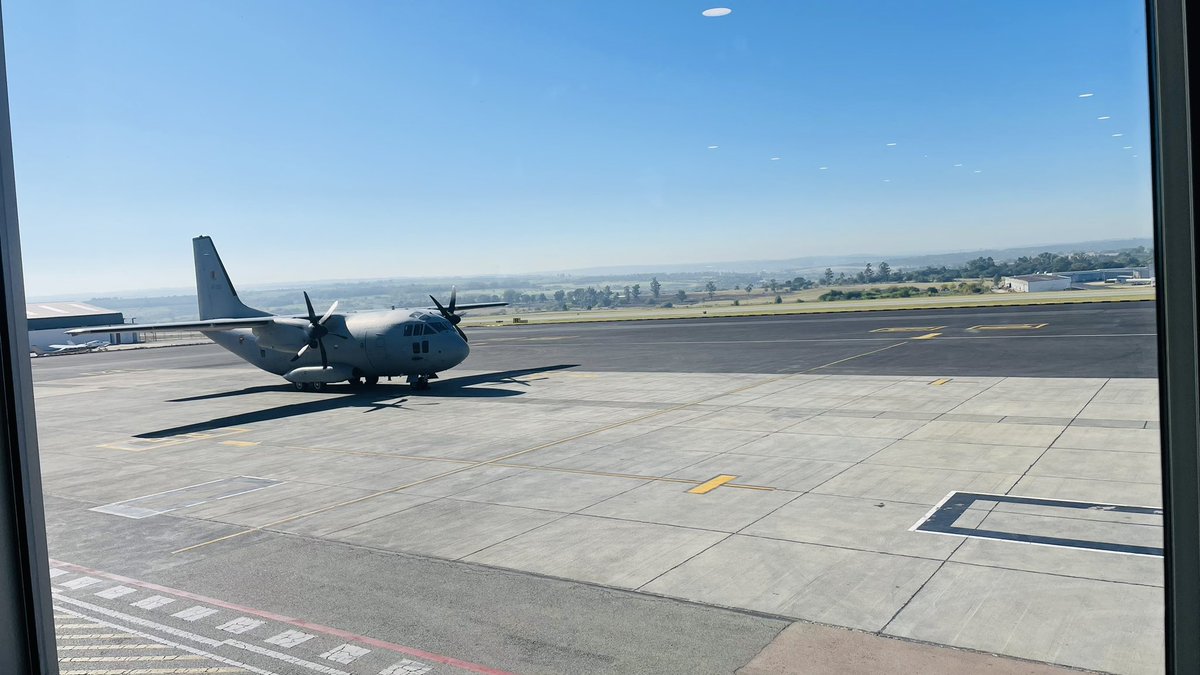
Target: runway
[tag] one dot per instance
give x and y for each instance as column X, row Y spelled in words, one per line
column 1093, row 340
column 667, row 497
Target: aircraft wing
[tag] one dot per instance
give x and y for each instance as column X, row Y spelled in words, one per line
column 464, row 306
column 202, row 325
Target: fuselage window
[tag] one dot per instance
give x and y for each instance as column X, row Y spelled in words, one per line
column 416, row 347
column 425, row 346
column 407, row 329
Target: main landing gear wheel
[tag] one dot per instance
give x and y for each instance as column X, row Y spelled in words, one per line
column 300, row 386
column 372, row 380
column 355, row 381
column 419, row 382
column 318, row 386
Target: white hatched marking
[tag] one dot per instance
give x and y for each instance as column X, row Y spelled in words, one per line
column 407, row 667
column 345, row 653
column 153, row 602
column 81, row 582
column 55, row 572
column 289, row 638
column 287, row 658
column 157, row 626
column 115, row 592
column 240, row 625
column 194, row 613
column 152, row 671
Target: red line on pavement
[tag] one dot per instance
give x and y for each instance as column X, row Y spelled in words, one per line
column 299, row 623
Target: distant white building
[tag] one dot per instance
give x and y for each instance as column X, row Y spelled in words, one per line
column 1035, row 283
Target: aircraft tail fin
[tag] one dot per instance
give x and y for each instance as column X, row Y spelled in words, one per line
column 214, row 291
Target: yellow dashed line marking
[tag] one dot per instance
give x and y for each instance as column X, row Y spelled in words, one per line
column 713, row 484
column 940, row 382
column 240, row 444
column 126, row 659
column 908, row 329
column 151, row 670
column 1010, row 326
column 126, row 646
column 95, row 636
column 927, row 336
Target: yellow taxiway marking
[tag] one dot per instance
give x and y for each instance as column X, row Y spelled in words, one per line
column 542, row 446
column 240, row 444
column 907, row 329
column 927, row 336
column 940, row 382
column 1010, row 326
column 710, row 485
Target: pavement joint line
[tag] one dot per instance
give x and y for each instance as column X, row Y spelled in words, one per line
column 271, row 616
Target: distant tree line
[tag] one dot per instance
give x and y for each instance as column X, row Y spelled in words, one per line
column 988, row 268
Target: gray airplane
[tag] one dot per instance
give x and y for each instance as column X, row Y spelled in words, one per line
column 413, row 343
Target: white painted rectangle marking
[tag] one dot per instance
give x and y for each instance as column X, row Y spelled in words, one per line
column 194, row 613
column 407, row 667
column 81, row 582
column 289, row 638
column 153, row 602
column 345, row 653
column 55, row 572
column 240, row 625
column 115, row 592
column 185, row 497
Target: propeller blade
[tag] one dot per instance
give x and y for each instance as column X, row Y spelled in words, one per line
column 439, row 306
column 453, row 298
column 300, row 353
column 312, row 316
column 324, row 356
column 461, row 333
column 329, row 312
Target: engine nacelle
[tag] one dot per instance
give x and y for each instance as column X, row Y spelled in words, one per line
column 334, row 373
column 280, row 337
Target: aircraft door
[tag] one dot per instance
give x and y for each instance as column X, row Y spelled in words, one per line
column 377, row 351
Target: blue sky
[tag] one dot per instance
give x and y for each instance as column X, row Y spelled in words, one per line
column 372, row 139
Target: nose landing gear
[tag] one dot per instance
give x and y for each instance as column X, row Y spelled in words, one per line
column 418, row 382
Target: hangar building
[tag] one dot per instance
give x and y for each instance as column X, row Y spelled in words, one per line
column 49, row 321
column 1034, row 283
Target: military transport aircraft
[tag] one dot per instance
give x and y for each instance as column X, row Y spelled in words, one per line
column 414, row 343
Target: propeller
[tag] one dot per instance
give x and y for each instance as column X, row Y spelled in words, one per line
column 316, row 330
column 448, row 312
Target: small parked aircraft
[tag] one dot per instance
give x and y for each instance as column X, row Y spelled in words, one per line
column 414, row 343
column 70, row 348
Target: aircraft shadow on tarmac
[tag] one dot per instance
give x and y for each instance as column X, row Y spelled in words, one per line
column 371, row 399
